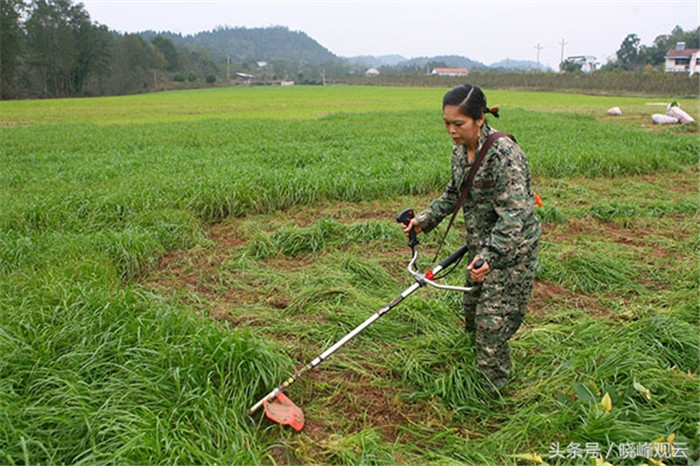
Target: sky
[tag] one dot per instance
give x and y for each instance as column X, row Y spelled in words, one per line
column 487, row 31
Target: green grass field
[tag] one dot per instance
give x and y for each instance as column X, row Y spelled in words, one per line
column 168, row 259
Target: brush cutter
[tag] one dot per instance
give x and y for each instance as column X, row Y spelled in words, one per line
column 280, row 409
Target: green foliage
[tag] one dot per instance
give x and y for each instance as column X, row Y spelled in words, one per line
column 633, row 55
column 244, row 45
column 53, row 49
column 85, row 372
column 611, row 81
column 569, row 66
column 10, row 39
column 629, row 55
column 166, row 47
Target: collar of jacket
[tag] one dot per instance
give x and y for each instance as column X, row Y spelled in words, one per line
column 486, row 130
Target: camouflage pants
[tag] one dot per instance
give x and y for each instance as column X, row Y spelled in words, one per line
column 495, row 311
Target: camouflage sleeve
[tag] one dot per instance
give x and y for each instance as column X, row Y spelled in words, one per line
column 513, row 202
column 445, row 204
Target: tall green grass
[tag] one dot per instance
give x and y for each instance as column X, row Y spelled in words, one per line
column 93, row 375
column 100, row 368
column 81, row 177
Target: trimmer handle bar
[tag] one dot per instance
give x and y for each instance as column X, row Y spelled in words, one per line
column 427, row 278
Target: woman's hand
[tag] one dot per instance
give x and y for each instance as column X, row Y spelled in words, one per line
column 412, row 224
column 478, row 275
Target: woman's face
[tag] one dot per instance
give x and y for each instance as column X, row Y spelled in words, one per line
column 462, row 128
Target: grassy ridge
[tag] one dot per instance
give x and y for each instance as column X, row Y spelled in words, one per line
column 99, row 368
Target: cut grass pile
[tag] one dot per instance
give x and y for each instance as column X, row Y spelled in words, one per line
column 162, row 270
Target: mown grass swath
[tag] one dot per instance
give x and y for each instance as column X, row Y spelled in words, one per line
column 102, row 366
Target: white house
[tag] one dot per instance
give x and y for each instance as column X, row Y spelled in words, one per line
column 450, row 71
column 247, row 78
column 372, row 72
column 683, row 60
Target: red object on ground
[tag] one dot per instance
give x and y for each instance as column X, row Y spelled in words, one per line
column 282, row 410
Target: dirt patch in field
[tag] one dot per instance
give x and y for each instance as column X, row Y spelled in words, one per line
column 547, row 297
column 677, row 182
column 227, row 234
column 182, row 270
column 16, row 123
column 362, row 403
column 349, row 402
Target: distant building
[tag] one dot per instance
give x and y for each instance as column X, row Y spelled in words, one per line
column 588, row 63
column 372, row 72
column 450, row 71
column 683, row 60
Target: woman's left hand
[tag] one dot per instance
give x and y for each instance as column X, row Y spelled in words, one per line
column 478, row 275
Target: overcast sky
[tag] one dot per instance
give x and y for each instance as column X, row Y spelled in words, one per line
column 486, row 31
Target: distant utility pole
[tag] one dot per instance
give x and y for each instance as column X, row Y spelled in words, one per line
column 563, row 43
column 538, row 47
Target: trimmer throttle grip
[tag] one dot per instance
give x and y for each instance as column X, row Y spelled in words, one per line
column 404, row 218
column 454, row 257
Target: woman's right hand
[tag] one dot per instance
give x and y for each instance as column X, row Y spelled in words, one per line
column 413, row 224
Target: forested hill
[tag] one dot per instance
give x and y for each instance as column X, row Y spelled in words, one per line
column 51, row 48
column 267, row 44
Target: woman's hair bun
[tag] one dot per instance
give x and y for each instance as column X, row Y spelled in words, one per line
column 493, row 110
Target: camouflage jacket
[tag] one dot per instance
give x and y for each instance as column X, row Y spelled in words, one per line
column 499, row 211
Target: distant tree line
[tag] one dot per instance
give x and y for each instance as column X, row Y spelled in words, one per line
column 271, row 54
column 51, row 48
column 633, row 56
column 632, row 83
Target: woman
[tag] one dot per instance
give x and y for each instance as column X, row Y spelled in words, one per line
column 501, row 228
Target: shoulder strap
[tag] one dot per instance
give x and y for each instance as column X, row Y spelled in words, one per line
column 467, row 184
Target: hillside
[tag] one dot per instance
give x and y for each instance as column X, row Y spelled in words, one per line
column 452, row 61
column 268, row 44
column 371, row 60
column 278, row 43
column 523, row 65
